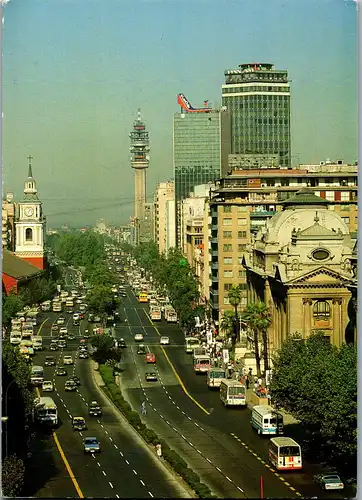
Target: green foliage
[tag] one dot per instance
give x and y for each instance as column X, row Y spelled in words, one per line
column 105, row 350
column 11, row 305
column 13, row 474
column 258, row 318
column 173, row 273
column 100, row 299
column 317, row 383
column 173, row 458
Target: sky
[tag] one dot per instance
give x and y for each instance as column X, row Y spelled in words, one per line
column 76, row 71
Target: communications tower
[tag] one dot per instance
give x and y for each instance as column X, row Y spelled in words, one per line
column 139, row 161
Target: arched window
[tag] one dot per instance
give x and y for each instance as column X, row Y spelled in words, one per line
column 322, row 309
column 28, row 234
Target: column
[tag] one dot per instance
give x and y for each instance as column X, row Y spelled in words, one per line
column 307, row 313
column 337, row 335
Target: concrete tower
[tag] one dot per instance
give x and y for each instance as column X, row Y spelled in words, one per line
column 139, row 161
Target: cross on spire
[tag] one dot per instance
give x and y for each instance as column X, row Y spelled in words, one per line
column 30, row 171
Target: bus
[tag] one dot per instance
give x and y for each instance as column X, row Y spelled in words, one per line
column 142, row 297
column 285, row 453
column 232, row 393
column 214, row 377
column 170, row 315
column 202, row 363
column 45, row 411
column 155, row 313
column 37, row 375
column 266, row 420
column 190, row 344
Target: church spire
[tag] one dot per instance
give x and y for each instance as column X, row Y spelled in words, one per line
column 30, row 171
column 30, row 191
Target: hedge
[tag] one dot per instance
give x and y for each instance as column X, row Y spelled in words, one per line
column 177, row 463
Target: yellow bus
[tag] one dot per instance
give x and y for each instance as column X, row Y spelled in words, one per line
column 143, row 297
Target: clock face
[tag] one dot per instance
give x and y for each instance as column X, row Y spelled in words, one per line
column 29, row 211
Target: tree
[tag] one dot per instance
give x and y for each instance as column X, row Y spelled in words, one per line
column 234, row 295
column 13, row 474
column 317, row 383
column 104, row 348
column 258, row 318
column 227, row 322
column 101, row 299
column 12, row 304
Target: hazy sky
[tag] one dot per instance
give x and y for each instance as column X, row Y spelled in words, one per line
column 75, row 72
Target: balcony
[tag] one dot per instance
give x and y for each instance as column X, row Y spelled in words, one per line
column 263, row 213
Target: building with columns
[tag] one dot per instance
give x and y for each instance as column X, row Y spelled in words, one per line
column 30, row 225
column 300, row 265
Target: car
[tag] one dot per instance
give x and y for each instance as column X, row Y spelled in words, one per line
column 47, row 386
column 83, row 355
column 63, row 330
column 123, row 294
column 75, row 316
column 151, row 377
column 329, row 481
column 55, row 327
column 150, row 358
column 75, row 379
column 83, row 341
column 54, row 346
column 86, row 334
column 81, row 315
column 68, row 360
column 49, row 361
column 79, row 301
column 94, row 409
column 62, row 343
column 61, row 371
column 122, row 343
column 70, row 385
column 91, row 445
column 164, row 340
column 138, row 337
column 79, row 424
column 141, row 349
column 71, row 336
column 91, row 318
column 60, row 320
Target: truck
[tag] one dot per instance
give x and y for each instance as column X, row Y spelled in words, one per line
column 155, row 313
column 46, row 411
column 232, row 393
column 37, row 375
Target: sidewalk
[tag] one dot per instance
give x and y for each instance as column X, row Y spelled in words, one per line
column 288, row 418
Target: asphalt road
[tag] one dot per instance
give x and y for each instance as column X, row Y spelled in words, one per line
column 125, row 468
column 220, row 445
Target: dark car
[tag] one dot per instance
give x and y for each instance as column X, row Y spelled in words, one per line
column 54, row 346
column 141, row 349
column 75, row 379
column 122, row 343
column 61, row 371
column 94, row 409
column 49, row 361
column 71, row 336
column 70, row 385
column 86, row 334
column 91, row 445
column 62, row 343
column 83, row 354
column 151, row 377
column 79, row 424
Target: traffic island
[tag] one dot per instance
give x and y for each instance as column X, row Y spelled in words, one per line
column 177, row 463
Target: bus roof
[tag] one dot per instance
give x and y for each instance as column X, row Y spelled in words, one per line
column 232, row 382
column 264, row 410
column 284, row 441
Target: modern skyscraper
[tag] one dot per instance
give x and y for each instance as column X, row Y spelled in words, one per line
column 139, row 161
column 258, row 97
column 201, row 144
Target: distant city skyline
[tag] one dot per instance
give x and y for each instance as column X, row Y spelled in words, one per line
column 75, row 73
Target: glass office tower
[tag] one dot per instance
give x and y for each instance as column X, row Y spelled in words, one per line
column 258, row 97
column 201, row 144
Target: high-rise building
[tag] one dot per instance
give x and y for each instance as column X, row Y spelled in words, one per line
column 165, row 192
column 139, row 161
column 258, row 98
column 201, row 145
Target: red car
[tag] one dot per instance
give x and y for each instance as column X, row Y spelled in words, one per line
column 150, row 358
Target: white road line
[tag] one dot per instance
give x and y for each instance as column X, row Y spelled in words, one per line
column 190, row 443
column 117, row 495
column 228, row 479
column 115, row 446
column 218, row 468
column 183, row 413
column 143, row 484
column 150, row 494
column 110, row 484
column 134, row 472
column 167, row 422
column 127, row 462
column 209, row 460
column 183, row 437
column 102, row 426
column 177, row 407
column 198, row 451
column 121, row 454
column 197, row 425
column 240, row 489
column 174, row 428
column 98, row 464
column 110, row 438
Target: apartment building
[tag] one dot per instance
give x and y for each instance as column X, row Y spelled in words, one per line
column 242, row 202
column 165, row 193
column 8, row 222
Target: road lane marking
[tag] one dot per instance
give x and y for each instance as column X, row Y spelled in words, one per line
column 150, row 494
column 70, row 472
column 104, row 474
column 143, row 484
column 175, row 372
column 135, row 472
column 110, row 484
column 127, row 462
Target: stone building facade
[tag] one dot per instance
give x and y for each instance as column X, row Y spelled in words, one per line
column 299, row 264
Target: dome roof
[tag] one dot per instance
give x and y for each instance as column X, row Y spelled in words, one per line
column 305, row 197
column 318, row 231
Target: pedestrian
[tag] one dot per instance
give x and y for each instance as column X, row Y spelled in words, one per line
column 247, row 382
column 143, row 408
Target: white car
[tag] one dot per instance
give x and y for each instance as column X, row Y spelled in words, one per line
column 138, row 337
column 164, row 340
column 76, row 316
column 68, row 360
column 47, row 386
column 63, row 330
column 60, row 321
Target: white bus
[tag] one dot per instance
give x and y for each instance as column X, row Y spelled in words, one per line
column 170, row 315
column 266, row 420
column 191, row 343
column 156, row 313
column 232, row 393
column 285, row 453
column 15, row 337
column 214, row 377
column 46, row 411
column 27, row 329
column 37, row 375
column 202, row 363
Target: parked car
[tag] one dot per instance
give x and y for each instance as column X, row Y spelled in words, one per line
column 329, row 481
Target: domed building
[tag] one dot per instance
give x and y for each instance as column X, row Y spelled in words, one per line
column 300, row 265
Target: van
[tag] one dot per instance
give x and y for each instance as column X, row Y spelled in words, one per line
column 232, row 393
column 37, row 343
column 266, row 420
column 15, row 337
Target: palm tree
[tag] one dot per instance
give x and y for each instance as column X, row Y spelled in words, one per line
column 227, row 322
column 258, row 318
column 234, row 295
